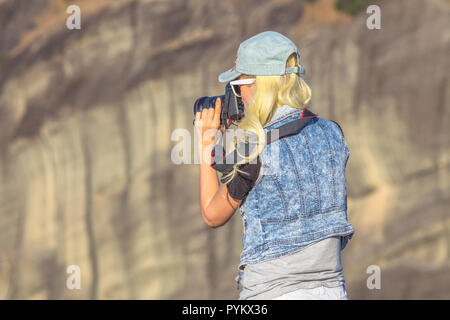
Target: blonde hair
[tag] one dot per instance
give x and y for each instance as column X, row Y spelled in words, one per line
column 271, row 93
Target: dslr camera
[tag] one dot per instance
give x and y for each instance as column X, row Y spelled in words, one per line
column 232, row 106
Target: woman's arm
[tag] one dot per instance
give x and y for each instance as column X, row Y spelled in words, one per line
column 216, row 204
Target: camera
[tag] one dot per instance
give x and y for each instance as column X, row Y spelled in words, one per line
column 232, row 106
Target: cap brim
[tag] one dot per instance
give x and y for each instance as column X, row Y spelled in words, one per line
column 229, row 75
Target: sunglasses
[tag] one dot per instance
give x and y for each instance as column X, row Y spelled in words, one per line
column 235, row 85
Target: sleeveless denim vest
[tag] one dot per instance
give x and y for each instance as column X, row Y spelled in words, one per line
column 300, row 196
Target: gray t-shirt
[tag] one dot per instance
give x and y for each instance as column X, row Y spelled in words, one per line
column 318, row 264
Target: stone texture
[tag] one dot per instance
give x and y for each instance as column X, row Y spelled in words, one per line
column 85, row 140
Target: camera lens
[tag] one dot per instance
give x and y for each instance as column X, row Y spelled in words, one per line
column 206, row 103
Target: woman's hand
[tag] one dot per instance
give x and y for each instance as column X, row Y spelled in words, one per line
column 217, row 206
column 207, row 123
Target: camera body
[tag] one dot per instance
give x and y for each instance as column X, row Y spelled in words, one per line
column 232, row 106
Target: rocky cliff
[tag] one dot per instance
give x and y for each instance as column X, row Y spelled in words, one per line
column 86, row 118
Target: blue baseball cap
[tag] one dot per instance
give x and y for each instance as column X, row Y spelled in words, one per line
column 264, row 54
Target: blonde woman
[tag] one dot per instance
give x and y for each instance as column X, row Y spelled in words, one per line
column 291, row 190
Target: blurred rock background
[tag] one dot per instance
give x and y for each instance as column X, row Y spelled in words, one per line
column 86, row 118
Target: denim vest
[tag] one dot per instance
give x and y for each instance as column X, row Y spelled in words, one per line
column 300, row 196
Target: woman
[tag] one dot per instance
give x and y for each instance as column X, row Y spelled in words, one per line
column 293, row 198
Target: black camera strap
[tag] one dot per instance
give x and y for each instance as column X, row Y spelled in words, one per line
column 225, row 164
column 290, row 128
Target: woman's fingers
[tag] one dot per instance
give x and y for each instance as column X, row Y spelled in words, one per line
column 204, row 117
column 217, row 111
column 210, row 114
column 209, row 117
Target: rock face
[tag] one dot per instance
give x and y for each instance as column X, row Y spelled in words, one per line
column 86, row 118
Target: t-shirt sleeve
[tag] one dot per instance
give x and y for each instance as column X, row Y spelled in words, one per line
column 242, row 183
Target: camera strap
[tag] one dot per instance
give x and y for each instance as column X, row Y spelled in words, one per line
column 290, row 128
column 225, row 164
